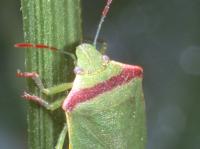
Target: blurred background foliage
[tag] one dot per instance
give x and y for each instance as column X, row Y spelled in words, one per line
column 162, row 36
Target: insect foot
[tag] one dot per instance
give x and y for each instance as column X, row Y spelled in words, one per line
column 32, row 75
column 35, row 99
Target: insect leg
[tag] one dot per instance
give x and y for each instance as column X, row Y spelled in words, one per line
column 48, row 91
column 57, row 89
column 49, row 106
column 32, row 75
column 61, row 138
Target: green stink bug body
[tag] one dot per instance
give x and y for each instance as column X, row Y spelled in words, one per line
column 105, row 107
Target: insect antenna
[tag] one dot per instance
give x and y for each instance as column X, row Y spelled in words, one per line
column 43, row 46
column 103, row 16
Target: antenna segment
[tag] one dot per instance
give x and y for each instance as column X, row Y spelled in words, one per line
column 43, row 46
column 103, row 16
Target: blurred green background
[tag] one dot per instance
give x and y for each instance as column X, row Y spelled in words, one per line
column 162, row 36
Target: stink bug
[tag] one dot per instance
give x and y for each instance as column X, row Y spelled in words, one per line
column 105, row 107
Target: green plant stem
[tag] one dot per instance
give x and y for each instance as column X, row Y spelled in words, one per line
column 56, row 23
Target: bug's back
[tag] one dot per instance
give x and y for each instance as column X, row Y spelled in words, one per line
column 109, row 114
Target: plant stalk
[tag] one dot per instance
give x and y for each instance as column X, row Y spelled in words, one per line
column 55, row 23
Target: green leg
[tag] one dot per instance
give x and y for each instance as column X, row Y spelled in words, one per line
column 57, row 89
column 48, row 91
column 56, row 104
column 61, row 138
column 49, row 106
column 52, row 90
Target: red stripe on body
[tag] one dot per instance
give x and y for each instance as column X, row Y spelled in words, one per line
column 77, row 96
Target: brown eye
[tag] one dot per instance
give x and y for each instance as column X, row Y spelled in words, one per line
column 106, row 59
column 78, row 70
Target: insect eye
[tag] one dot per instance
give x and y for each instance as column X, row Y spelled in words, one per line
column 78, row 70
column 106, row 59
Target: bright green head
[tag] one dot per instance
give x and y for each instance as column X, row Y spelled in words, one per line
column 89, row 60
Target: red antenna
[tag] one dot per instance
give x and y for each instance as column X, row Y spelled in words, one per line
column 43, row 46
column 103, row 16
column 30, row 45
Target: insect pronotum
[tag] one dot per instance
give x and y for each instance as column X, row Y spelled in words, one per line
column 105, row 107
